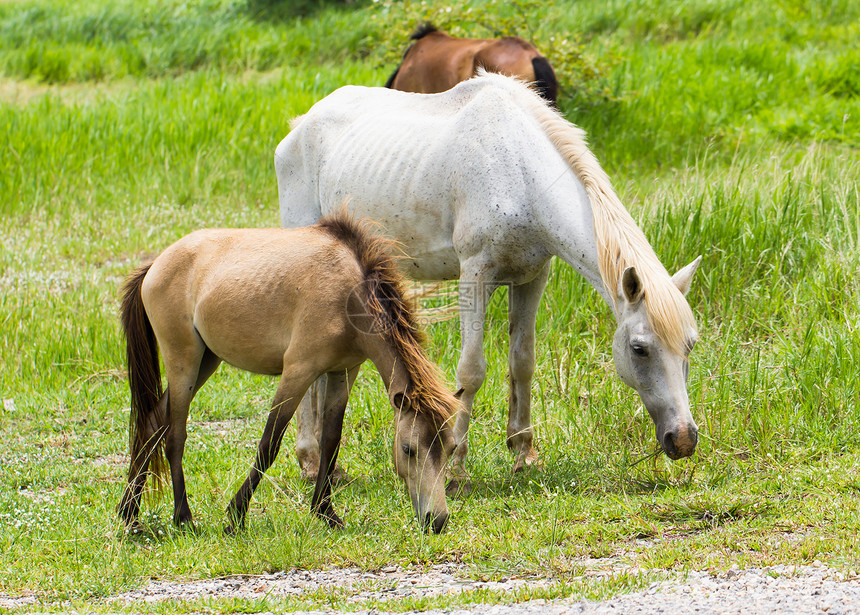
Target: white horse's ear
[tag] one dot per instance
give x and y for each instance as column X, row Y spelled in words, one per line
column 684, row 277
column 631, row 286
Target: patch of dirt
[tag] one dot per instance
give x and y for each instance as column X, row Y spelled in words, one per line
column 42, row 496
column 11, row 602
column 389, row 583
column 28, row 91
column 219, row 428
column 115, row 460
column 774, row 589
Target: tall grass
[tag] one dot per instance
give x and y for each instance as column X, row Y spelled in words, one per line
column 710, row 73
column 730, row 131
column 56, row 42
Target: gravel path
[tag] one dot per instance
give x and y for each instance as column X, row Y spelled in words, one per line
column 776, row 589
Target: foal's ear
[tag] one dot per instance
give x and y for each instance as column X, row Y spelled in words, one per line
column 631, row 285
column 459, row 393
column 401, row 401
column 684, row 277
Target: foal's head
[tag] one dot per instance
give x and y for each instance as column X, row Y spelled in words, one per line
column 423, row 441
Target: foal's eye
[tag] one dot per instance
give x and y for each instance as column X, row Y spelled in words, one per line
column 408, row 450
column 639, row 350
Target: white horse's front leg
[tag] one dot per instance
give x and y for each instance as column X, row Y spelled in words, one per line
column 524, row 301
column 474, row 295
column 308, row 430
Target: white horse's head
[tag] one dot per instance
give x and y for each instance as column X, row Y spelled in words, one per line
column 655, row 369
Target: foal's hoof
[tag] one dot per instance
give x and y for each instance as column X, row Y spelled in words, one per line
column 235, row 523
column 310, row 472
column 530, row 460
column 134, row 527
column 334, row 522
column 186, row 526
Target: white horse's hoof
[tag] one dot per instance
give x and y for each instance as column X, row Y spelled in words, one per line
column 338, row 477
column 458, row 487
column 528, row 461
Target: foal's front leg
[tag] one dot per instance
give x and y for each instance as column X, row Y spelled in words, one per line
column 290, row 390
column 309, row 433
column 336, row 396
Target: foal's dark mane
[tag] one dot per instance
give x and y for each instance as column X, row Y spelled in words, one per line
column 393, row 314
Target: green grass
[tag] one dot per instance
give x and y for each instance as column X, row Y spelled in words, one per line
column 730, row 130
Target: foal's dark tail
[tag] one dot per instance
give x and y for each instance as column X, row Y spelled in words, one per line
column 147, row 423
column 545, row 82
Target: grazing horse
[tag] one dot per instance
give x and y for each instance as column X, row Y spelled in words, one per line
column 296, row 303
column 485, row 183
column 436, row 62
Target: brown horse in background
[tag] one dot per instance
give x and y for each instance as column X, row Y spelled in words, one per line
column 295, row 303
column 437, row 61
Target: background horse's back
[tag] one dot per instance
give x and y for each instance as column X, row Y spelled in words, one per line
column 437, row 61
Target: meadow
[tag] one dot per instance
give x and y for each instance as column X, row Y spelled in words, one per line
column 730, row 128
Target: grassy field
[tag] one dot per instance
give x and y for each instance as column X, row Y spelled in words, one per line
column 731, row 129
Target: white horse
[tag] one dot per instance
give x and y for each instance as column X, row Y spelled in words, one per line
column 486, row 183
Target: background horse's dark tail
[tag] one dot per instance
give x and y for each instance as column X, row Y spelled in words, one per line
column 545, row 82
column 147, row 422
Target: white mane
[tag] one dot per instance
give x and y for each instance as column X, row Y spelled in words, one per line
column 620, row 242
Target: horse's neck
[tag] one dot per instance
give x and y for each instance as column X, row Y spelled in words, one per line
column 391, row 368
column 565, row 214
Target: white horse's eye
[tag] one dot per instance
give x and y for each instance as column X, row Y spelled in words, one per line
column 639, row 350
